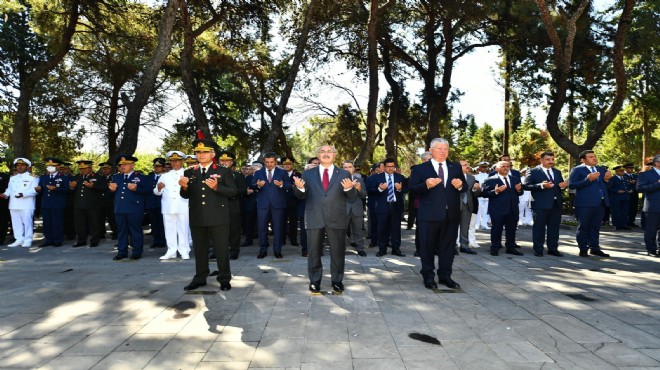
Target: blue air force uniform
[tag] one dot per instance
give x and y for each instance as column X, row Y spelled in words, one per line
column 129, row 209
column 53, row 202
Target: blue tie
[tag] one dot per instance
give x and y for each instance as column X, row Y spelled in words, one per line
column 390, row 190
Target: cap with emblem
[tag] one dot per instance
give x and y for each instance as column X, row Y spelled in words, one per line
column 159, row 161
column 628, row 165
column 191, row 159
column 617, row 168
column 65, row 164
column 50, row 161
column 287, row 160
column 82, row 164
column 105, row 165
column 21, row 160
column 203, row 145
column 226, row 155
column 174, row 155
column 126, row 159
column 483, row 163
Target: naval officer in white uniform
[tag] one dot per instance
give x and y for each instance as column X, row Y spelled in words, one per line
column 21, row 193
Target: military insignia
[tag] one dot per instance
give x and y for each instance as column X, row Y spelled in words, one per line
column 215, row 176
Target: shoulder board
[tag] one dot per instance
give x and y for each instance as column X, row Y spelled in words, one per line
column 195, row 167
column 137, row 173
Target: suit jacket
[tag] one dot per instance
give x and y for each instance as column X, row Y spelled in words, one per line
column 153, row 200
column 355, row 206
column 208, row 207
column 441, row 201
column 543, row 198
column 380, row 197
column 271, row 195
column 472, row 203
column 648, row 182
column 129, row 201
column 618, row 188
column 325, row 208
column 291, row 200
column 249, row 202
column 89, row 198
column 505, row 202
column 54, row 198
column 241, row 191
column 588, row 193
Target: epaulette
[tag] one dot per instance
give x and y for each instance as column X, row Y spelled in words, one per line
column 137, row 173
column 214, row 166
column 195, row 167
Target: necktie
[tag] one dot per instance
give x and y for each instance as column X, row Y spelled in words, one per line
column 52, row 177
column 126, row 177
column 464, row 198
column 441, row 173
column 270, row 175
column 550, row 176
column 326, row 180
column 390, row 190
column 203, row 173
column 506, row 181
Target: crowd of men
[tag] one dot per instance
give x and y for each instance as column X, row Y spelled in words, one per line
column 204, row 201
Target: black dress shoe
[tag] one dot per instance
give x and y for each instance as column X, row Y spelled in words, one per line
column 45, row 244
column 539, row 254
column 584, row 253
column 362, row 253
column 261, row 255
column 304, row 253
column 79, row 244
column 599, row 253
column 513, row 251
column 494, row 253
column 449, row 283
column 225, row 286
column 135, row 258
column 278, row 255
column 212, row 257
column 416, row 254
column 430, row 285
column 233, row 256
column 517, row 246
column 398, row 253
column 315, row 287
column 338, row 286
column 381, row 253
column 294, row 244
column 468, row 250
column 92, row 245
column 118, row 257
column 653, row 254
column 555, row 253
column 193, row 285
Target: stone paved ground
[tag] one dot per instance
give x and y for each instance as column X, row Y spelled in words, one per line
column 65, row 308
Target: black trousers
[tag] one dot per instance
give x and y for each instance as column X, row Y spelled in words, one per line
column 234, row 233
column 389, row 228
column 219, row 237
column 87, row 224
column 509, row 222
column 546, row 220
column 4, row 219
column 108, row 214
column 290, row 225
column 437, row 238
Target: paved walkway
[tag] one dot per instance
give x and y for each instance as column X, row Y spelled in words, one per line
column 65, row 308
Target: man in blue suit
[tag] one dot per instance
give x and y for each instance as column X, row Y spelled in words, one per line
column 546, row 185
column 387, row 189
column 506, row 158
column 271, row 183
column 502, row 191
column 619, row 198
column 648, row 182
column 53, row 187
column 591, row 197
column 438, row 183
column 631, row 176
column 130, row 188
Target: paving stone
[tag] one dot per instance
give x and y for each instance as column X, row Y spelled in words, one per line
column 620, row 355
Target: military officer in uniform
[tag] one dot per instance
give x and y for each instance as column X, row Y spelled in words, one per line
column 4, row 206
column 153, row 205
column 88, row 188
column 227, row 159
column 69, row 227
column 191, row 160
column 108, row 203
column 54, row 188
column 130, row 188
column 208, row 188
column 174, row 208
column 21, row 193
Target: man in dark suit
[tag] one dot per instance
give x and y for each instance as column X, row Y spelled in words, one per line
column 325, row 190
column 648, row 182
column 372, row 215
column 227, row 160
column 208, row 187
column 249, row 210
column 355, row 210
column 546, row 185
column 469, row 208
column 631, row 176
column 506, row 158
column 438, row 183
column 130, row 188
column 591, row 197
column 502, row 191
column 388, row 189
column 153, row 205
column 271, row 183
column 69, row 224
column 108, row 204
column 619, row 198
column 290, row 220
column 54, row 188
column 88, row 188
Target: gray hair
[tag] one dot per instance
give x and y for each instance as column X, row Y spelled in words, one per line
column 348, row 161
column 258, row 165
column 334, row 150
column 656, row 158
column 426, row 155
column 438, row 140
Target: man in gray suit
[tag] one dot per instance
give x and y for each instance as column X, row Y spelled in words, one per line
column 469, row 206
column 325, row 190
column 355, row 210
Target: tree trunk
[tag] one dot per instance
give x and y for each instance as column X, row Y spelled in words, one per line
column 143, row 91
column 276, row 125
column 563, row 57
column 439, row 114
column 21, row 128
column 112, row 120
column 507, row 104
column 392, row 130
